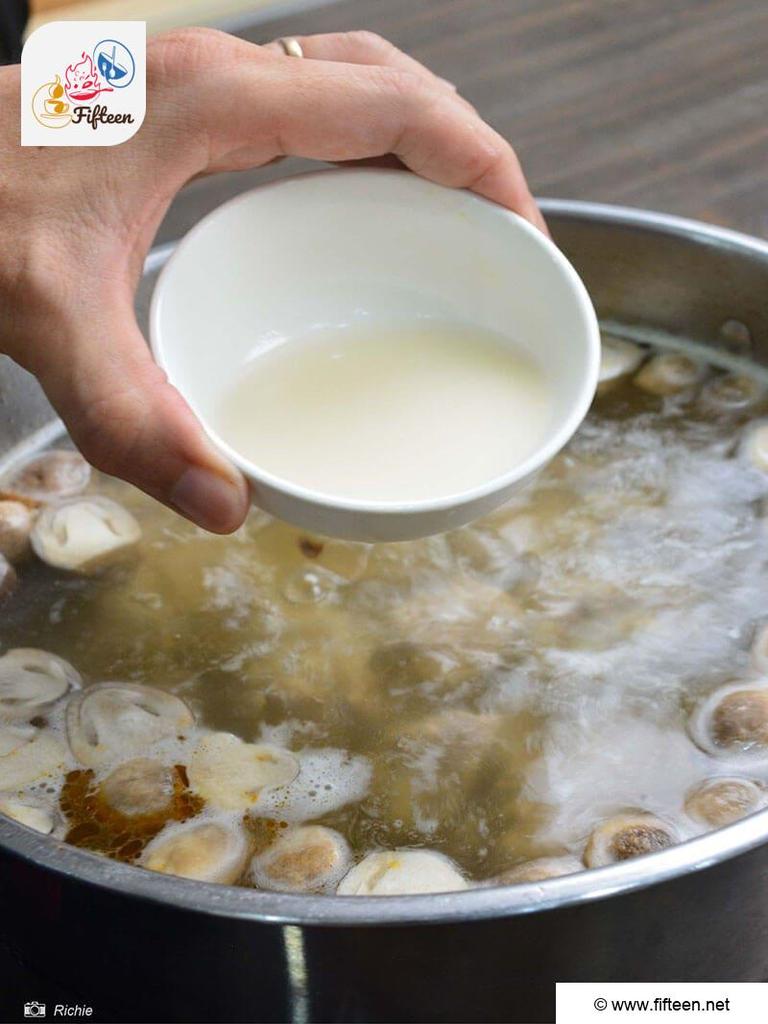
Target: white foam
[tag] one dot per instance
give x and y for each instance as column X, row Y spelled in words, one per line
column 328, row 779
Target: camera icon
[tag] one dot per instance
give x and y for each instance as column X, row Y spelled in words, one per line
column 34, row 1009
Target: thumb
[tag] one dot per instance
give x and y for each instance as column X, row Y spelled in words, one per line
column 128, row 421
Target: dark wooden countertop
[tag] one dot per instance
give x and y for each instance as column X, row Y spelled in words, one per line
column 654, row 103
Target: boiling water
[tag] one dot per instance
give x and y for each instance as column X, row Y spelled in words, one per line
column 399, row 413
column 491, row 692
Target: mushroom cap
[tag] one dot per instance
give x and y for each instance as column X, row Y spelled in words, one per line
column 669, row 373
column 48, row 476
column 311, row 858
column 231, row 775
column 15, row 527
column 139, row 786
column 732, row 391
column 115, row 721
column 721, row 801
column 28, row 754
column 733, row 721
column 400, row 873
column 539, row 869
column 205, row 851
column 626, row 836
column 29, row 812
column 81, row 533
column 618, row 358
column 31, row 681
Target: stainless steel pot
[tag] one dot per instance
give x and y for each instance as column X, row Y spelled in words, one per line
column 140, row 946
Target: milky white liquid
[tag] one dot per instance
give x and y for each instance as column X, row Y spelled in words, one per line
column 389, row 413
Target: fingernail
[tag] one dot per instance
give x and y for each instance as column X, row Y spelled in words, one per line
column 212, row 501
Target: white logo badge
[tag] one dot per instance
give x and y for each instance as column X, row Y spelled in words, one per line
column 83, row 83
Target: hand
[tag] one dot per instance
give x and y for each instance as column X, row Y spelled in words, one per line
column 76, row 224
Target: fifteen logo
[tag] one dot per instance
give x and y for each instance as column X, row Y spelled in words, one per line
column 99, row 97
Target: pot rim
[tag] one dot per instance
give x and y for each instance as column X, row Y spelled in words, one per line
column 474, row 904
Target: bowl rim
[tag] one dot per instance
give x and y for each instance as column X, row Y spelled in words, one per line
column 559, row 434
column 695, row 854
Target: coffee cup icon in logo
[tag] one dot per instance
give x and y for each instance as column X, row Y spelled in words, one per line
column 49, row 105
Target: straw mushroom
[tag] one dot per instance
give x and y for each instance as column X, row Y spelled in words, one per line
column 669, row 373
column 539, row 869
column 732, row 391
column 28, row 754
column 81, row 533
column 718, row 802
column 401, row 872
column 48, row 476
column 29, row 812
column 115, row 721
column 139, row 786
column 733, row 721
column 231, row 774
column 618, row 358
column 15, row 527
column 204, row 851
column 626, row 836
column 308, row 859
column 31, row 681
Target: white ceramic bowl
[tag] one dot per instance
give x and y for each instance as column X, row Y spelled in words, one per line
column 335, row 246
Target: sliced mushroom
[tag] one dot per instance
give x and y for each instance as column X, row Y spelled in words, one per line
column 754, row 446
column 539, row 869
column 139, row 786
column 733, row 721
column 308, row 859
column 8, row 578
column 28, row 754
column 31, row 681
column 15, row 527
column 29, row 812
column 231, row 774
column 115, row 721
column 732, row 391
column 618, row 358
column 82, row 533
column 401, row 872
column 48, row 477
column 718, row 802
column 669, row 373
column 626, row 836
column 204, row 851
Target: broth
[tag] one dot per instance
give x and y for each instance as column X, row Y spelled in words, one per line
column 491, row 693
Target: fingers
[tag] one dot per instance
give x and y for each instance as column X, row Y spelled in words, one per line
column 130, row 422
column 361, row 48
column 368, row 48
column 337, row 112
